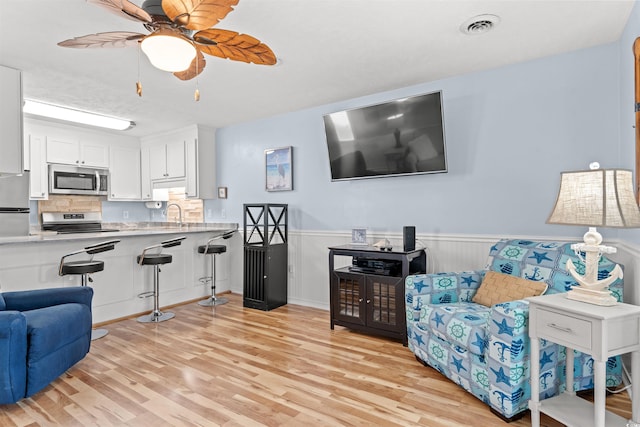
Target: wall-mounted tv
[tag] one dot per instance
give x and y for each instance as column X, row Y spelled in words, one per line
column 400, row 137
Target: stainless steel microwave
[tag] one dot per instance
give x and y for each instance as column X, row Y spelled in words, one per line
column 64, row 179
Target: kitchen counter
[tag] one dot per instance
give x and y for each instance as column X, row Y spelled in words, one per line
column 125, row 229
column 32, row 262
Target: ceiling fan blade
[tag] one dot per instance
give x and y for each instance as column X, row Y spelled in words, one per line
column 234, row 46
column 111, row 39
column 196, row 67
column 197, row 14
column 123, row 8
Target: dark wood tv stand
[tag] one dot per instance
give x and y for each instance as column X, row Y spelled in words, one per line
column 372, row 301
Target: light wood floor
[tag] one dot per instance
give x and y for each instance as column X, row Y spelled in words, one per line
column 246, row 367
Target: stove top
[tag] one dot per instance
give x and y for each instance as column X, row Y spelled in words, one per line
column 73, row 222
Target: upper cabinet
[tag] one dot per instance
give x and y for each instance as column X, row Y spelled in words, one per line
column 201, row 164
column 124, row 173
column 166, row 159
column 182, row 158
column 72, row 151
column 35, row 151
column 11, row 160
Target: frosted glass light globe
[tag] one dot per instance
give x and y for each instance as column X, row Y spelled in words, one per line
column 168, row 51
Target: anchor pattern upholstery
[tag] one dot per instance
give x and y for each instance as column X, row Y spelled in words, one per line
column 486, row 349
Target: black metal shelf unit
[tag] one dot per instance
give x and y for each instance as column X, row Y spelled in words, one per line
column 265, row 255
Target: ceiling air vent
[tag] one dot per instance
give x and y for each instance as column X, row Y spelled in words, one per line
column 479, row 24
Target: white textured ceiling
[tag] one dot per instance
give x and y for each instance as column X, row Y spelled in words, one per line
column 328, row 50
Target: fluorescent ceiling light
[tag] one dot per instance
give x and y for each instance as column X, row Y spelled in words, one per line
column 395, row 116
column 343, row 126
column 70, row 115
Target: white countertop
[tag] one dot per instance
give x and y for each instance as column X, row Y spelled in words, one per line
column 125, row 230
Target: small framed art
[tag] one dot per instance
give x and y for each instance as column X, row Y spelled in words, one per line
column 278, row 169
column 359, row 236
column 222, row 192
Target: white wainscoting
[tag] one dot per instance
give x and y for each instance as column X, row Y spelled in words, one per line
column 309, row 260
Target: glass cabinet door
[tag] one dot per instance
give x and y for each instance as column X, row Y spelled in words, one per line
column 385, row 302
column 350, row 303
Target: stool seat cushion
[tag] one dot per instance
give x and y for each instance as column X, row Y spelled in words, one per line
column 82, row 267
column 155, row 259
column 212, row 249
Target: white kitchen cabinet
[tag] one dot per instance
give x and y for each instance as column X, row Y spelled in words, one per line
column 36, row 163
column 145, row 177
column 166, row 160
column 72, row 151
column 201, row 164
column 124, row 173
column 182, row 158
column 11, row 145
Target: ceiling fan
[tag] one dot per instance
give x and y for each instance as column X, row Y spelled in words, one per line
column 179, row 35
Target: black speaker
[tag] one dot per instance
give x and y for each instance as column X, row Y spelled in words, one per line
column 409, row 238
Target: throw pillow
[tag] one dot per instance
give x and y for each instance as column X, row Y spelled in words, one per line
column 497, row 287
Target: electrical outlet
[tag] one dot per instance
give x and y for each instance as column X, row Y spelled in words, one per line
column 223, row 213
column 125, row 214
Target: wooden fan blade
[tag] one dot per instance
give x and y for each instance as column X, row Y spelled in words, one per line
column 111, row 39
column 234, row 46
column 197, row 14
column 196, row 67
column 123, row 8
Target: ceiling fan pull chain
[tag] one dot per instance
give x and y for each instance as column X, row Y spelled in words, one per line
column 138, row 84
column 196, row 95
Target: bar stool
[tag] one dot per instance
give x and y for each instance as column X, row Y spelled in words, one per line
column 213, row 250
column 157, row 259
column 86, row 267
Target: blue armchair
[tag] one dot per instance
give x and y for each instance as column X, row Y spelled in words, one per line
column 486, row 349
column 43, row 333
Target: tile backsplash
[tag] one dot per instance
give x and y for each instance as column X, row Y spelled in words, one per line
column 69, row 203
column 192, row 209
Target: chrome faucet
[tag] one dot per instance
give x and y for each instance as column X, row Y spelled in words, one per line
column 179, row 212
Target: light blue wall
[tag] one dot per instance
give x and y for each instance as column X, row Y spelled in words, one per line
column 627, row 114
column 135, row 212
column 509, row 133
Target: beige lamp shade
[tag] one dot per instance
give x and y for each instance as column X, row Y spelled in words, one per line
column 596, row 198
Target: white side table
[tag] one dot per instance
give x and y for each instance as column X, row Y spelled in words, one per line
column 599, row 331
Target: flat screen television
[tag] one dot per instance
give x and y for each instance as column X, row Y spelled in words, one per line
column 400, row 137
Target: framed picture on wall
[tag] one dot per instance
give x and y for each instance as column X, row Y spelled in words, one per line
column 222, row 192
column 279, row 169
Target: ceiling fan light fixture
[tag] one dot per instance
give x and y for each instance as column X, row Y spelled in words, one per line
column 168, row 51
column 57, row 112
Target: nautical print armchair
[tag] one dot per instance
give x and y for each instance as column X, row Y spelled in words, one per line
column 486, row 349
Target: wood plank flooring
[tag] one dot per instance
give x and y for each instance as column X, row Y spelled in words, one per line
column 232, row 366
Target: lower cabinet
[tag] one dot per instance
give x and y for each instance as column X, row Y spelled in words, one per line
column 368, row 294
column 370, row 303
column 265, row 277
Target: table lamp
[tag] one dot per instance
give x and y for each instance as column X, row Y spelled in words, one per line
column 595, row 198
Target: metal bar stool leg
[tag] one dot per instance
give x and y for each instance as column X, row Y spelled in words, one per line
column 96, row 334
column 212, row 301
column 156, row 315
